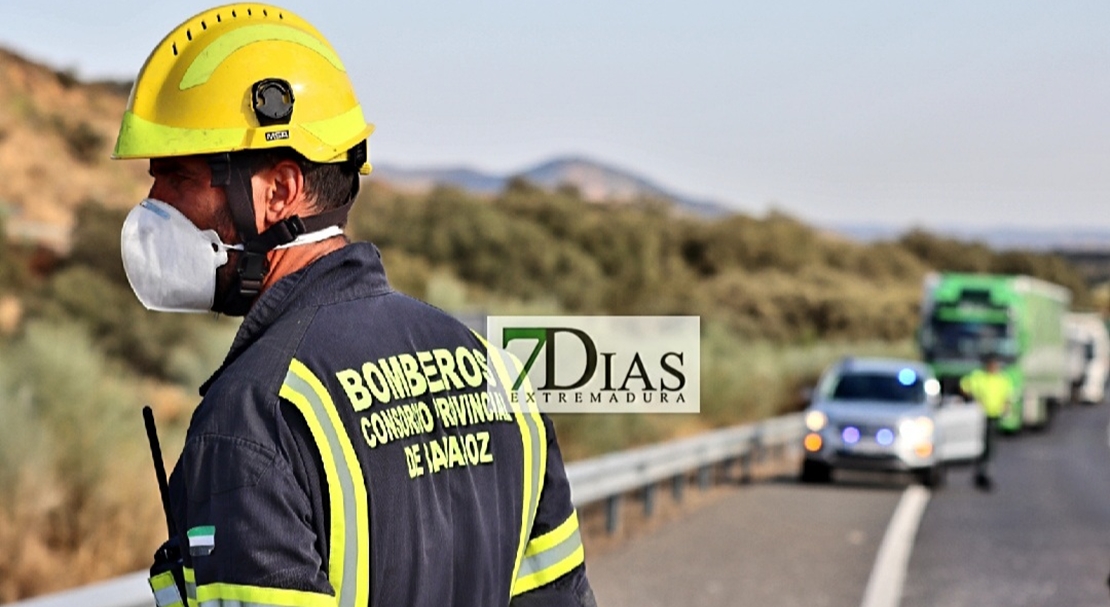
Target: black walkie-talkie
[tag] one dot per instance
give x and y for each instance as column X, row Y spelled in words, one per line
column 168, row 556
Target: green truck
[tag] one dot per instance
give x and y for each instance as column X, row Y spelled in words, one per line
column 965, row 317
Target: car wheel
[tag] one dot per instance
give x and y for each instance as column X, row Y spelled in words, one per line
column 932, row 477
column 816, row 472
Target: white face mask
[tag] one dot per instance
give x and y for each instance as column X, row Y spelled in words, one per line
column 171, row 264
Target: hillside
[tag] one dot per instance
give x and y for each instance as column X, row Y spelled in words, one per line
column 56, row 136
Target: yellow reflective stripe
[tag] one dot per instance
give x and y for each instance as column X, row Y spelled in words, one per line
column 551, row 556
column 165, row 590
column 190, row 586
column 162, row 580
column 141, row 138
column 549, row 574
column 348, row 565
column 533, row 436
column 553, row 538
column 205, row 63
column 340, row 129
column 235, row 595
column 536, row 442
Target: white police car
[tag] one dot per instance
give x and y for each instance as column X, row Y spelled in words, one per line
column 887, row 415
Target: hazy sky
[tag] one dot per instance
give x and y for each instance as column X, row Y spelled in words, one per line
column 892, row 112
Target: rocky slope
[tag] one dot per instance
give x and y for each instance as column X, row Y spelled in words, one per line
column 56, row 137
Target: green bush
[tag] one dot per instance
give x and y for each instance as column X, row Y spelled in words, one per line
column 83, row 142
column 95, row 242
column 14, row 263
column 77, row 493
column 66, row 412
column 767, row 278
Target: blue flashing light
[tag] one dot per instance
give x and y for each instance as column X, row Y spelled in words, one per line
column 906, row 377
column 885, row 437
column 850, row 435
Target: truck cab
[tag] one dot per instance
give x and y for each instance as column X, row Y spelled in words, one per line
column 1019, row 319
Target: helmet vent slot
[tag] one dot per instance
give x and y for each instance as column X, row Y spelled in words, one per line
column 189, row 35
column 203, row 25
column 219, row 19
column 249, row 13
column 264, row 13
column 233, row 15
column 174, row 49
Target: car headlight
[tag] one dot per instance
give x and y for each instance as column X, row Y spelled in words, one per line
column 916, row 430
column 816, row 420
column 932, row 387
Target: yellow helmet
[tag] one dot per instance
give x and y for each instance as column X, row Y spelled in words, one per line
column 244, row 76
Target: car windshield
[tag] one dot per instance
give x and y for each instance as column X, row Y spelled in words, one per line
column 905, row 386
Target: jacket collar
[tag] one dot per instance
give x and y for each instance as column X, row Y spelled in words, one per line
column 348, row 273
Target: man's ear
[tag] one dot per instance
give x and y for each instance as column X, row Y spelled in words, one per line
column 279, row 194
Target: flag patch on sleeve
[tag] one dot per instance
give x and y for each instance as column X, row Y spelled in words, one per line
column 202, row 540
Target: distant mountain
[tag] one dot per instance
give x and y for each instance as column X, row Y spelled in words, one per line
column 422, row 180
column 596, row 182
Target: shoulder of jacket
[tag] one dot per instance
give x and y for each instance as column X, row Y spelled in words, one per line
column 244, row 400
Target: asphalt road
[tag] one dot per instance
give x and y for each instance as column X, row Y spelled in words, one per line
column 1042, row 537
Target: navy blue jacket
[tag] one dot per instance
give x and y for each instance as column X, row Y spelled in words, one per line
column 358, row 447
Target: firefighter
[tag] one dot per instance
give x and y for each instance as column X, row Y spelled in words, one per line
column 994, row 392
column 357, row 446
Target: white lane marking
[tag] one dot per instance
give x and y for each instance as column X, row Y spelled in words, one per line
column 884, row 587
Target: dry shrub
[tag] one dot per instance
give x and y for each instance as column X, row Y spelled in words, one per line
column 742, row 380
column 78, row 500
column 813, row 304
column 746, row 380
column 11, row 313
column 53, row 542
column 83, row 142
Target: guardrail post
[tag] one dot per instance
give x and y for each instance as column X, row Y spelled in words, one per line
column 678, row 483
column 612, row 514
column 649, row 500
column 780, row 450
column 725, row 473
column 755, row 448
column 703, row 477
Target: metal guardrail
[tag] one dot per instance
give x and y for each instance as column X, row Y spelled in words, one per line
column 609, row 477
column 129, row 590
column 603, row 479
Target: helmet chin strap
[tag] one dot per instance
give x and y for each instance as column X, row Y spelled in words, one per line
column 233, row 173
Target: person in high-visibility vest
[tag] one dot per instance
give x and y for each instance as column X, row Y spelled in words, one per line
column 994, row 392
column 357, row 446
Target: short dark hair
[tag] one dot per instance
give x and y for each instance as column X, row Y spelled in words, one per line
column 330, row 185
